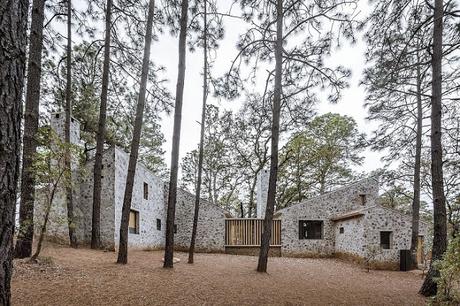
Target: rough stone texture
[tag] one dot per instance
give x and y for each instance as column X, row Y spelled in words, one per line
column 57, row 228
column 262, row 192
column 360, row 233
column 149, row 210
column 353, row 239
column 323, row 208
column 107, row 198
column 210, row 235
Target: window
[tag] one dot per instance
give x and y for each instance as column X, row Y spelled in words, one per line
column 175, row 228
column 363, row 199
column 310, row 229
column 341, row 230
column 133, row 226
column 146, row 191
column 385, row 240
column 159, row 224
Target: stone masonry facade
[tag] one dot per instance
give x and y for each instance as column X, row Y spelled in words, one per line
column 150, row 206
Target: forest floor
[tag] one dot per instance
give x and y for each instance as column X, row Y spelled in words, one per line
column 67, row 276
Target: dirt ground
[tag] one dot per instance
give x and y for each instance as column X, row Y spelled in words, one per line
column 87, row 277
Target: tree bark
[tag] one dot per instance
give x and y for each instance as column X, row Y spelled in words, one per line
column 203, row 119
column 123, row 244
column 96, row 216
column 68, row 117
column 418, row 157
column 265, row 243
column 45, row 222
column 26, row 209
column 429, row 286
column 13, row 27
column 169, row 246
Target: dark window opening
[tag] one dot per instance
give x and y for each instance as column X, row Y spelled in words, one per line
column 133, row 226
column 175, row 228
column 57, row 115
column 102, row 166
column 385, row 240
column 341, row 230
column 363, row 199
column 146, row 191
column 159, row 224
column 310, row 229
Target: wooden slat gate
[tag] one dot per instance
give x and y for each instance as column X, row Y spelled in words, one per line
column 248, row 232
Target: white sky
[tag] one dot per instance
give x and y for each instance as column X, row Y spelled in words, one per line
column 165, row 52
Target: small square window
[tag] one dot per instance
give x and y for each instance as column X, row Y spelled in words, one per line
column 309, row 229
column 341, row 230
column 133, row 227
column 159, row 224
column 146, row 191
column 385, row 240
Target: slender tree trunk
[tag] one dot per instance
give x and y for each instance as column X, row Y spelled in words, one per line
column 265, row 243
column 68, row 116
column 242, row 210
column 203, row 119
column 123, row 245
column 26, row 211
column 13, row 26
column 418, row 157
column 45, row 223
column 429, row 286
column 96, row 218
column 169, row 246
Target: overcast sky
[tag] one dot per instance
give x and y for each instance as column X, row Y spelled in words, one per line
column 165, row 52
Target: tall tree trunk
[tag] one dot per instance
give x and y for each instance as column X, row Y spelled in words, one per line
column 169, row 246
column 203, row 119
column 96, row 217
column 265, row 243
column 45, row 222
column 418, row 157
column 13, row 27
column 123, row 245
column 26, row 211
column 68, row 116
column 429, row 286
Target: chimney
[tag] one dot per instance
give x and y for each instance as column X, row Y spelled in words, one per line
column 58, row 124
column 262, row 192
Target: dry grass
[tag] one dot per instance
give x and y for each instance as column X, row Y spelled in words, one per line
column 87, row 277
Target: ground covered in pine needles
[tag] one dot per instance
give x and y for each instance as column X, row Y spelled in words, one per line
column 65, row 276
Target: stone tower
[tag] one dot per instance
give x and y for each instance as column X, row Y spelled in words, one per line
column 262, row 192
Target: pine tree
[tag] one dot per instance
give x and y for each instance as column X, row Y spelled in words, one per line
column 123, row 244
column 24, row 240
column 12, row 66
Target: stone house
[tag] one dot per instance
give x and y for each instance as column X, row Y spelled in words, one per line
column 148, row 209
column 346, row 222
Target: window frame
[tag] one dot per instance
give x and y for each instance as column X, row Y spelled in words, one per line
column 389, row 245
column 134, row 230
column 146, row 191
column 158, row 224
column 303, row 225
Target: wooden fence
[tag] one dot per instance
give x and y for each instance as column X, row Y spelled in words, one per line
column 248, row 232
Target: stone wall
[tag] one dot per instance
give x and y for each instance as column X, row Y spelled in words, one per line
column 57, row 228
column 149, row 209
column 211, row 224
column 353, row 239
column 380, row 219
column 107, row 223
column 323, row 208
